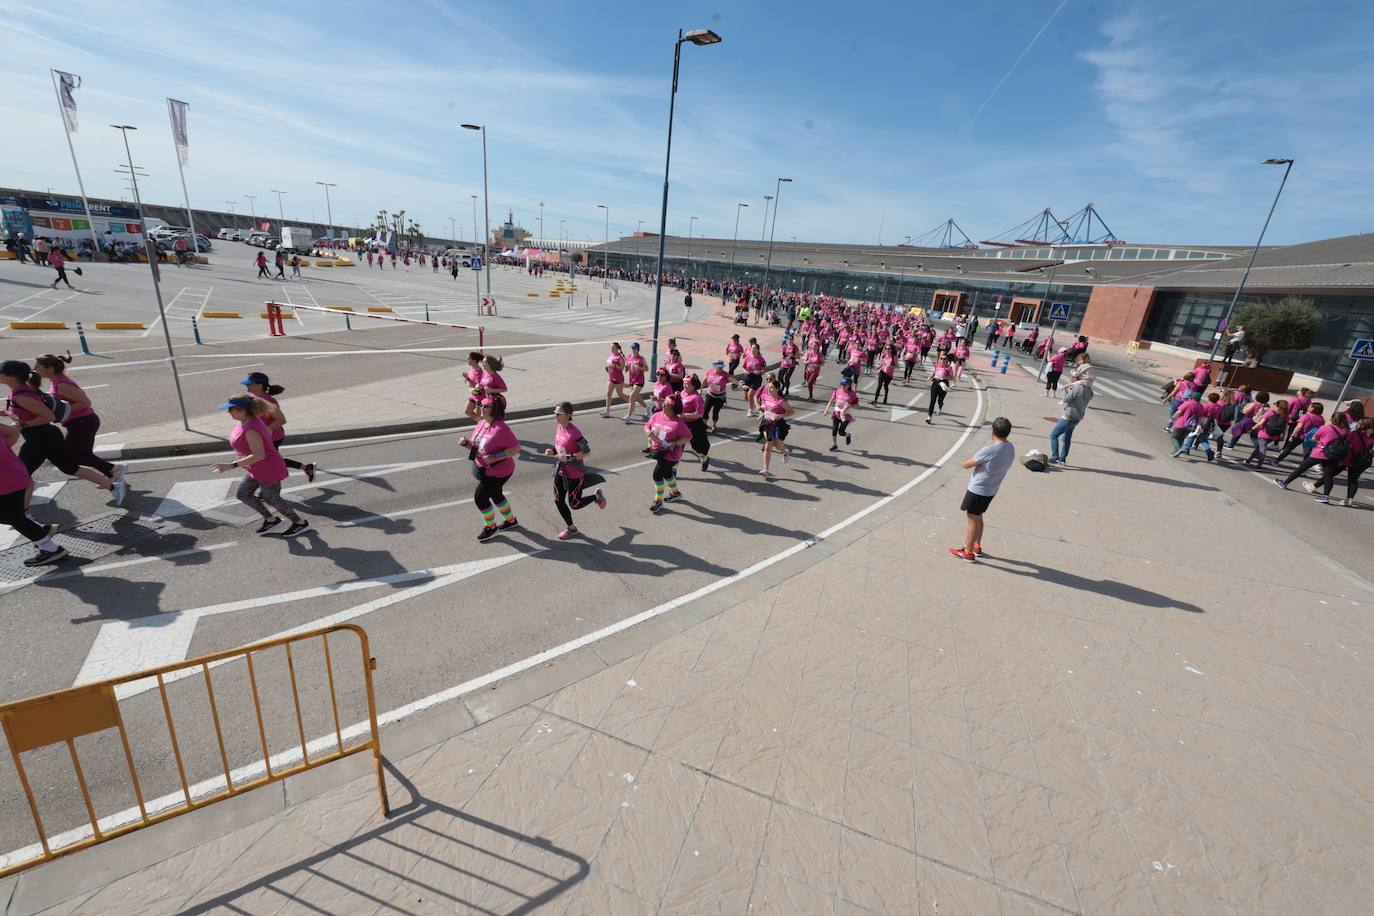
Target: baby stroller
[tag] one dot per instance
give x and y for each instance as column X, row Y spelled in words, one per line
column 741, row 314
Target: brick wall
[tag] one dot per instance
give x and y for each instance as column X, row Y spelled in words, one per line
column 1117, row 314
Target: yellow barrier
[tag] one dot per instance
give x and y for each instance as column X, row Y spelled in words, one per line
column 324, row 263
column 220, row 315
column 6, row 255
column 38, row 325
column 65, row 715
column 554, row 294
column 283, row 315
column 120, row 326
column 339, row 308
column 379, row 308
column 531, row 294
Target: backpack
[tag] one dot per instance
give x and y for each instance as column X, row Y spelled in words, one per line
column 1336, row 450
column 1274, row 424
column 61, row 410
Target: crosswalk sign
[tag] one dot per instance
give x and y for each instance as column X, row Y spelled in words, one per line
column 476, row 262
column 1363, row 348
column 1059, row 311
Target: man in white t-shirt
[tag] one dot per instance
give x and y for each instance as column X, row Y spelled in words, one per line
column 989, row 465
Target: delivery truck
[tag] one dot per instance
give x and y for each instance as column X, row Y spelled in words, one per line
column 294, row 238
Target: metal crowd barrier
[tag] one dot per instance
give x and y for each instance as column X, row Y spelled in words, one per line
column 65, row 715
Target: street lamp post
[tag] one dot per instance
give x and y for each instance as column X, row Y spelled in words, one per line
column 476, row 275
column 639, row 226
column 328, row 207
column 691, row 220
column 252, row 210
column 696, row 37
column 281, row 214
column 150, row 248
column 1216, row 339
column 606, row 247
column 733, row 246
column 763, row 233
column 486, row 200
column 769, row 263
column 453, row 230
column 541, row 224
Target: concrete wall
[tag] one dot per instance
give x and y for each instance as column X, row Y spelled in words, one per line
column 1117, row 313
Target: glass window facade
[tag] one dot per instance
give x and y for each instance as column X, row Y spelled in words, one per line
column 1189, row 319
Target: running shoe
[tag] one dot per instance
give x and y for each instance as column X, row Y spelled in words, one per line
column 309, row 470
column 47, row 557
column 600, row 500
column 271, row 525
column 928, row 423
column 784, row 457
column 673, row 496
column 118, row 474
column 1309, row 486
column 705, row 462
column 487, row 533
column 296, row 530
column 118, row 492
column 567, row 532
column 510, row 524
column 656, row 505
column 848, row 439
column 1322, row 498
column 962, row 554
column 977, row 550
column 1280, row 484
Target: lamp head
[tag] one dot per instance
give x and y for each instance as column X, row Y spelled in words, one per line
column 472, row 127
column 785, row 180
column 702, row 37
column 1278, row 162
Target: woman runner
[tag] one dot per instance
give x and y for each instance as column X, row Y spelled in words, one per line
column 887, row 367
column 667, row 435
column 615, row 377
column 734, row 350
column 492, row 449
column 694, row 415
column 910, row 349
column 490, row 382
column 260, row 386
column 635, row 367
column 15, row 484
column 939, row 387
column 82, row 423
column 1056, row 369
column 840, row 417
column 1270, row 428
column 473, row 376
column 753, row 376
column 569, row 476
column 791, row 353
column 1330, row 448
column 43, row 441
column 775, row 409
column 677, row 371
column 261, row 486
column 815, row 359
column 717, row 380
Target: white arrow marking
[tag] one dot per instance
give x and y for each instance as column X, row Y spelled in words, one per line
column 193, row 496
column 42, row 493
column 901, row 413
column 163, row 639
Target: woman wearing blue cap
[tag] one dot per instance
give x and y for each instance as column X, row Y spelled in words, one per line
column 260, row 386
column 261, row 486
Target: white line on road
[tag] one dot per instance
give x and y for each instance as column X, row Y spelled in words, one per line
column 193, row 496
column 118, row 564
column 221, row 369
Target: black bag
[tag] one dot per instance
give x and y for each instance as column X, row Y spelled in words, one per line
column 1336, row 450
column 61, row 410
column 477, row 471
column 1274, row 426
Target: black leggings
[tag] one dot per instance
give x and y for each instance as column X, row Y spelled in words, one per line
column 714, row 402
column 785, row 378
column 488, row 492
column 81, row 443
column 567, row 495
column 910, row 368
column 12, row 514
column 937, row 398
column 1052, row 380
column 1328, row 478
column 290, row 462
column 701, row 439
column 45, row 443
column 884, row 384
column 838, row 427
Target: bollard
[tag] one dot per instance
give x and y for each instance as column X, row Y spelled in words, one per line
column 426, row 311
column 195, row 331
column 81, row 334
column 348, row 324
column 996, row 353
column 1006, row 361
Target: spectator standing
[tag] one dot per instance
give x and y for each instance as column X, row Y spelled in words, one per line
column 989, row 465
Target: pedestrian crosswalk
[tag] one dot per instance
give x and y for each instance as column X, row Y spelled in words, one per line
column 1113, row 386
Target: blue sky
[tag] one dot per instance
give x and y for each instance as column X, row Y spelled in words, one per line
column 882, row 113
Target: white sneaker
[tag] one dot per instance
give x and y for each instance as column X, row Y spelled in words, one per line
column 118, row 492
column 119, row 470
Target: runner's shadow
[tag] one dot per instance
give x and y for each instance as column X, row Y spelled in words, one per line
column 622, row 555
column 363, row 564
column 1111, row 588
column 758, row 484
column 745, row 524
column 115, row 597
column 837, row 486
column 1146, row 478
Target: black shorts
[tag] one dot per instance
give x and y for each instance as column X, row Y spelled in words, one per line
column 974, row 504
column 753, row 381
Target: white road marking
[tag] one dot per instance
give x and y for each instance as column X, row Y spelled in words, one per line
column 165, row 638
column 118, row 564
column 44, row 492
column 222, row 369
column 194, row 496
column 110, row 449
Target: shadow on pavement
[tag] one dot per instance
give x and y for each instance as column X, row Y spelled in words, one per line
column 1145, row 478
column 1109, row 587
column 463, row 863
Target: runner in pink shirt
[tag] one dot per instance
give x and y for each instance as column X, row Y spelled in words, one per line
column 667, row 436
column 83, row 423
column 1054, row 370
column 1201, row 433
column 838, row 407
column 939, row 379
column 492, row 448
column 693, row 413
column 754, row 364
column 1309, row 421
column 490, row 382
column 734, row 351
column 472, row 375
column 1270, row 427
column 261, row 486
column 15, row 484
column 677, row 370
column 775, row 410
column 887, row 367
column 260, row 386
column 717, row 382
column 569, row 475
column 615, row 377
column 815, row 359
column 791, row 354
column 635, row 367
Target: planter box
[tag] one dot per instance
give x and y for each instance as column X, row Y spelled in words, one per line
column 1259, row 378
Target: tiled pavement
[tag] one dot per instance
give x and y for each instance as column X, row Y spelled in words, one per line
column 1145, row 699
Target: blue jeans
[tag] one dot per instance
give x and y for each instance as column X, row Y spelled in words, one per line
column 1063, row 428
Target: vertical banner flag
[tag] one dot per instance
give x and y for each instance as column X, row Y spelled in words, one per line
column 69, row 83
column 176, row 110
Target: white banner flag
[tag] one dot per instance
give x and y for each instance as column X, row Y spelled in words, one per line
column 176, row 110
column 68, row 83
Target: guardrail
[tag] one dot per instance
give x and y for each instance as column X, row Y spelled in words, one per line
column 63, row 716
column 276, row 312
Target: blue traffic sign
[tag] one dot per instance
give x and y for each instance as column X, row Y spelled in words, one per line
column 476, row 263
column 1059, row 311
column 1363, row 348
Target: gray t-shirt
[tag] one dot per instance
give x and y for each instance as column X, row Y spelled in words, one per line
column 994, row 460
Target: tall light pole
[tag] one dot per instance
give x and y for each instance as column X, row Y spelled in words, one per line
column 1216, row 340
column 696, row 37
column 328, row 207
column 453, row 230
column 252, row 210
column 605, row 245
column 541, row 223
column 639, row 226
column 476, row 277
column 734, row 245
column 232, row 204
column 763, row 233
column 150, row 249
column 769, row 263
column 281, row 214
column 691, row 220
column 486, row 200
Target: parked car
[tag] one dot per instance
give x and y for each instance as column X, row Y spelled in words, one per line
column 271, row 242
column 257, row 237
column 224, row 234
column 238, row 235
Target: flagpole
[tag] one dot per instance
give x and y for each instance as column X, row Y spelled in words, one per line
column 90, row 221
column 190, row 220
